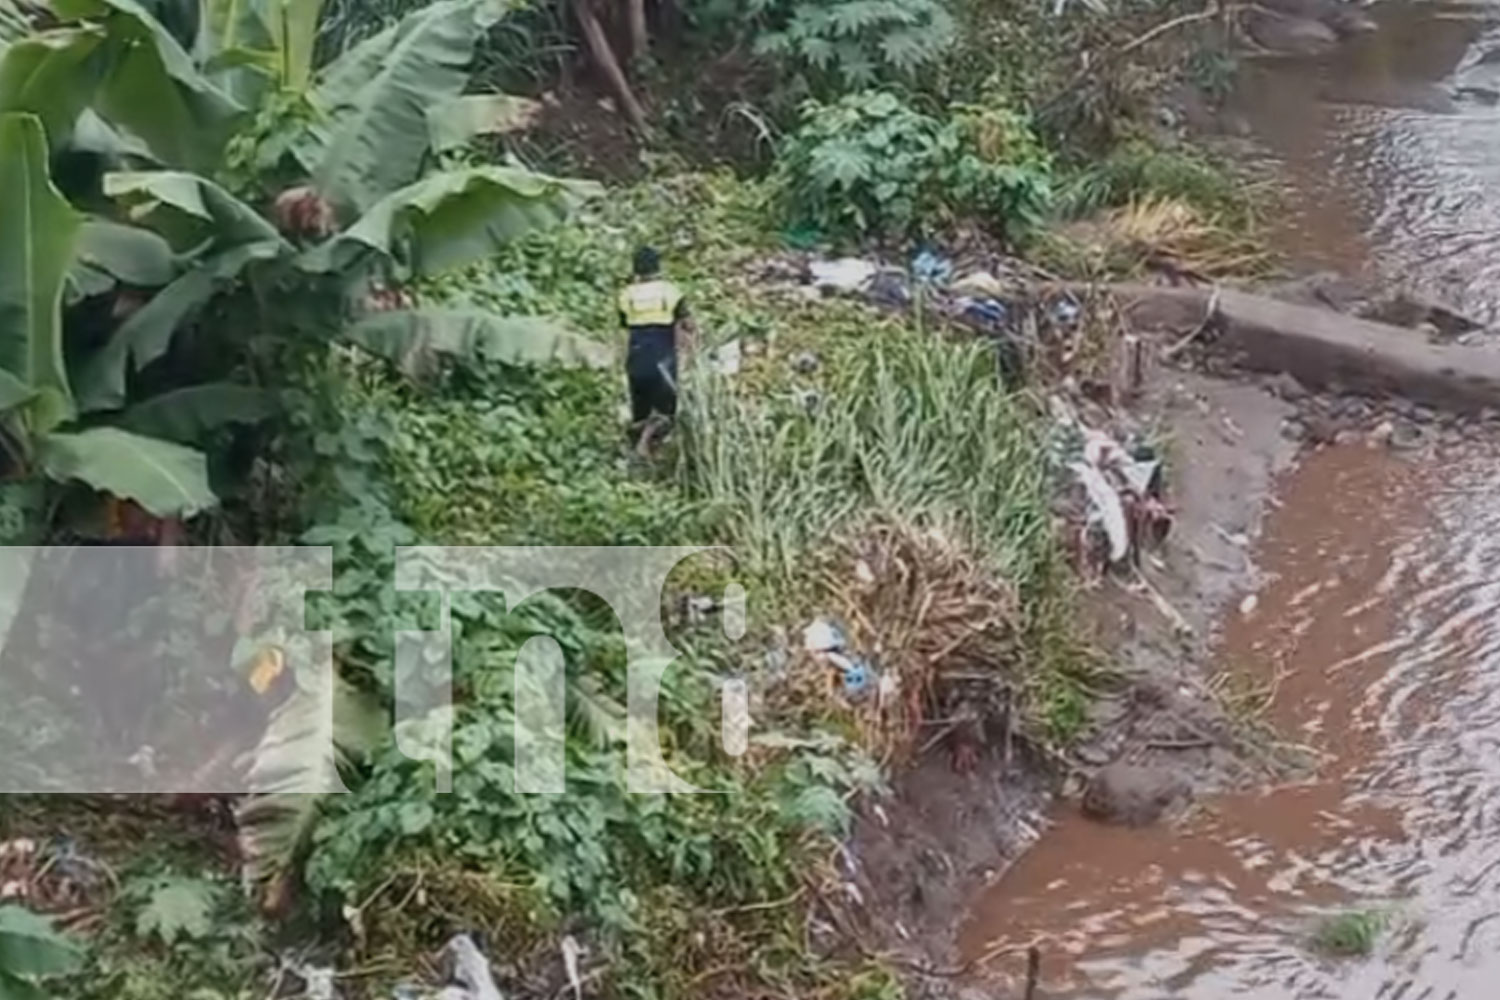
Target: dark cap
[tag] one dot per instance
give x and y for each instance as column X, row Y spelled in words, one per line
column 647, row 262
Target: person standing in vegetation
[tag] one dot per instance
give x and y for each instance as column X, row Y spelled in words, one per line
column 653, row 310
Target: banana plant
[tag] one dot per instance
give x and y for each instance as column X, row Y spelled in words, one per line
column 38, row 415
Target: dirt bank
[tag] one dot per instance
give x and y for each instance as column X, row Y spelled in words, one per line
column 919, row 857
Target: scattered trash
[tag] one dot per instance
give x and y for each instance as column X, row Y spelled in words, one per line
column 827, row 641
column 570, row 955
column 889, row 288
column 930, row 269
column 823, row 636
column 1065, row 311
column 1124, row 489
column 979, row 285
column 317, row 981
column 805, row 363
column 1248, row 605
column 846, row 274
column 471, row 976
column 989, row 314
column 727, row 359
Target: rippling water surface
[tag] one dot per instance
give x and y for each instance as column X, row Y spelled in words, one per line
column 1388, row 150
column 1382, row 625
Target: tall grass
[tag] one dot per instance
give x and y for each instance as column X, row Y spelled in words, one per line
column 904, row 426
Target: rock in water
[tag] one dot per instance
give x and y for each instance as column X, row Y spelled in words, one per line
column 1132, row 795
column 1291, row 35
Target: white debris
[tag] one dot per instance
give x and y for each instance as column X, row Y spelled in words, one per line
column 847, row 274
column 471, row 973
column 1107, row 508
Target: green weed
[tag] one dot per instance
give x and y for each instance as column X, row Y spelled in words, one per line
column 1352, row 934
column 1138, row 170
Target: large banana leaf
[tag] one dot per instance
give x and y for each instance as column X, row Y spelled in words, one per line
column 92, row 134
column 234, row 47
column 413, row 338
column 186, row 416
column 53, row 75
column 453, row 123
column 37, row 232
column 153, row 88
column 166, row 479
column 13, row 393
column 130, row 254
column 376, row 96
column 189, row 209
column 455, row 217
column 294, row 35
column 147, row 334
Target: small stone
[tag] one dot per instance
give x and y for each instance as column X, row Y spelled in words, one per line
column 1381, row 436
column 1288, row 388
column 1249, row 604
column 1406, row 438
column 1132, row 795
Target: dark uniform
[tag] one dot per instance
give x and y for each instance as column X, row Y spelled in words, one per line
column 651, row 309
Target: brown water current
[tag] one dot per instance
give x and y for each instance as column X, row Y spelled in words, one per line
column 1381, row 626
column 1387, row 151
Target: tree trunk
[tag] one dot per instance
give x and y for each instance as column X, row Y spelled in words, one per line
column 635, row 17
column 604, row 58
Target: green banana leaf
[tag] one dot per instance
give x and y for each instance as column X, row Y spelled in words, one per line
column 453, row 218
column 153, row 88
column 375, row 97
column 187, row 416
column 54, row 76
column 148, row 334
column 166, row 479
column 39, row 231
column 413, row 339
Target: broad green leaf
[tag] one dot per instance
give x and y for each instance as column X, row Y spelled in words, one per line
column 166, row 479
column 39, row 229
column 196, row 209
column 16, row 988
column 132, row 255
column 234, row 47
column 13, row 392
column 294, row 34
column 413, row 338
column 455, row 217
column 454, row 123
column 92, row 134
column 29, row 946
column 375, row 100
column 178, row 908
column 147, row 334
column 187, row 415
column 153, row 88
column 53, row 75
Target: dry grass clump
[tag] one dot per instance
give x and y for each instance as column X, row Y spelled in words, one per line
column 912, row 603
column 1158, row 235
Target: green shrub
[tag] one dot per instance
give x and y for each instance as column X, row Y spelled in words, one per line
column 870, row 164
column 836, row 45
column 1139, row 170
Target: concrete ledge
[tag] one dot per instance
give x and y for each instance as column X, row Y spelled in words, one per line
column 1324, row 349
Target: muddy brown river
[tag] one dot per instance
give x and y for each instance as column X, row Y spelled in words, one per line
column 1387, row 151
column 1379, row 625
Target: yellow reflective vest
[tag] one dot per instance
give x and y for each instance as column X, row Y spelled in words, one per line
column 650, row 303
